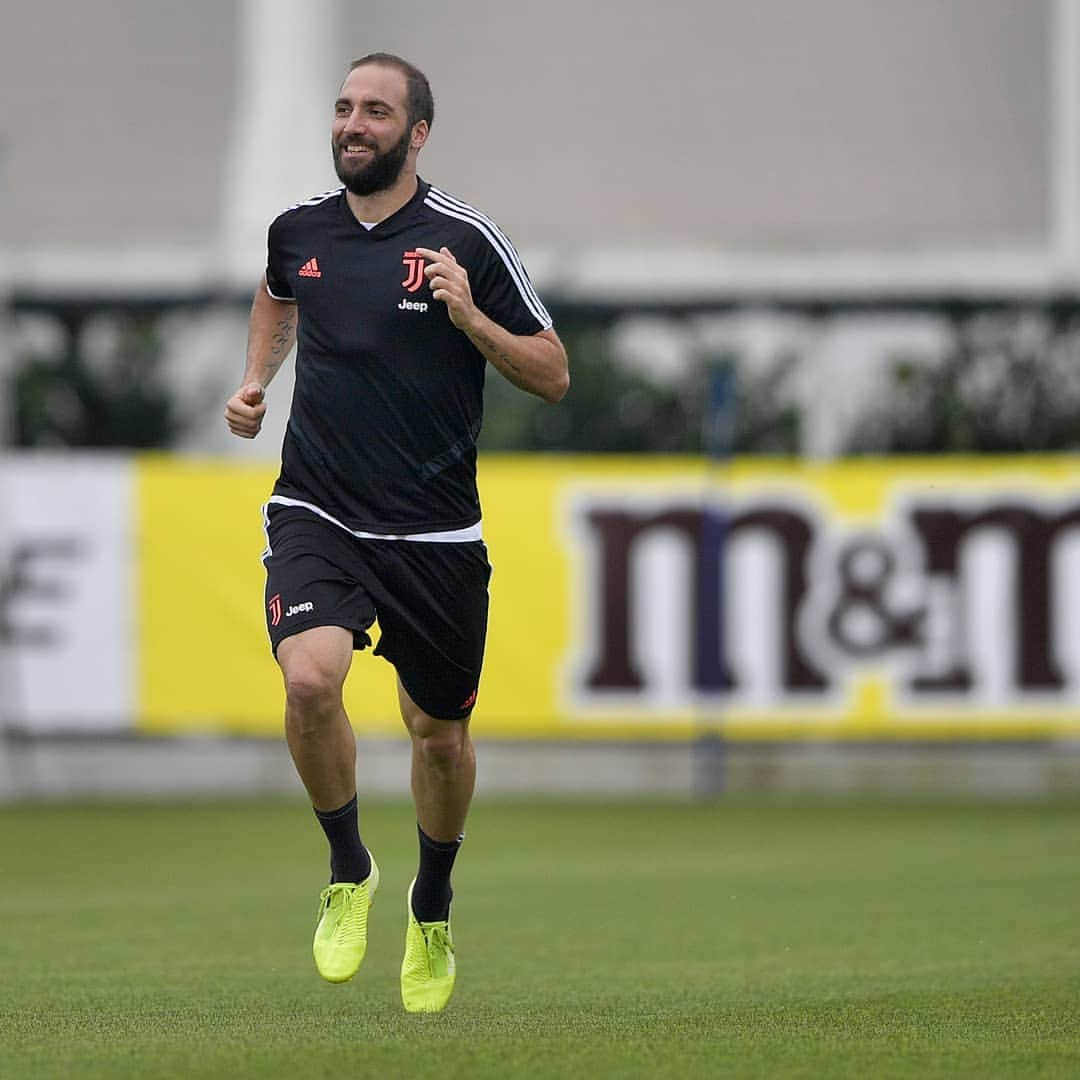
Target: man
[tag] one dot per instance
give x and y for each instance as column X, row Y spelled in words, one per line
column 404, row 295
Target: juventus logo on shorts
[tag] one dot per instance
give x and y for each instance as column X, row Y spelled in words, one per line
column 275, row 609
column 415, row 262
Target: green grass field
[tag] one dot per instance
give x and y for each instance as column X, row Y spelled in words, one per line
column 594, row 940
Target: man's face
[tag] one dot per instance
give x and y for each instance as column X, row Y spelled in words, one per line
column 371, row 137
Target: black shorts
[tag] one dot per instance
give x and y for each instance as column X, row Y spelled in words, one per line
column 430, row 600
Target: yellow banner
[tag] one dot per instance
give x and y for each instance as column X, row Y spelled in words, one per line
column 665, row 598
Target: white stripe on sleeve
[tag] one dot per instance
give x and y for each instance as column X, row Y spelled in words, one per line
column 454, row 208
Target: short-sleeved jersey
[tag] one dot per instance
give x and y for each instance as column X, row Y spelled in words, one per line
column 389, row 393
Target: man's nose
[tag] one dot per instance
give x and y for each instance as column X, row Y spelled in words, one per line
column 355, row 124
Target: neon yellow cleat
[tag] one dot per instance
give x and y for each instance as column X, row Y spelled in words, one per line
column 427, row 972
column 341, row 936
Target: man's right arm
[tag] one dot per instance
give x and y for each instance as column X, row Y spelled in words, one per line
column 271, row 335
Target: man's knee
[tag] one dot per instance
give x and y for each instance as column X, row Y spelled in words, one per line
column 313, row 682
column 310, row 690
column 440, row 743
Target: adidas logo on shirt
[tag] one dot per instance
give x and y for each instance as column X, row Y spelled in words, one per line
column 310, row 269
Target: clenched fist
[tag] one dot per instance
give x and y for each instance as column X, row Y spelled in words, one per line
column 244, row 411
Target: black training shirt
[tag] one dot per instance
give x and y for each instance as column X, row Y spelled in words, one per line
column 389, row 393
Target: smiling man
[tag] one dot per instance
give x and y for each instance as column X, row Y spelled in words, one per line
column 399, row 296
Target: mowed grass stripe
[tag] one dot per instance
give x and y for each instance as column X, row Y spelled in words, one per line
column 652, row 939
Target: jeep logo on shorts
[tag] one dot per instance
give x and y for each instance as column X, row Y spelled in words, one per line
column 295, row 609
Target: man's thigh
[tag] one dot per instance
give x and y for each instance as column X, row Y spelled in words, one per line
column 317, row 659
column 314, row 577
column 432, row 603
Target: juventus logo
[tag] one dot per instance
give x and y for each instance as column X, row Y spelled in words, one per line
column 415, row 262
column 275, row 609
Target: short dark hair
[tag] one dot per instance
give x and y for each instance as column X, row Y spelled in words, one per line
column 421, row 104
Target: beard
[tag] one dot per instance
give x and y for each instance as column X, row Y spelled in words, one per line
column 379, row 173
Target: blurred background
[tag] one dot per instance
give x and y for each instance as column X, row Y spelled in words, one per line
column 809, row 518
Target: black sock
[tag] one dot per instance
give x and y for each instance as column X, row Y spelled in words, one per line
column 431, row 894
column 349, row 859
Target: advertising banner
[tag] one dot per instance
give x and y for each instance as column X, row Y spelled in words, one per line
column 67, row 635
column 667, row 598
column 896, row 598
column 643, row 598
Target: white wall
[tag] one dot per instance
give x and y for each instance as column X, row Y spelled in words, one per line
column 764, row 125
column 702, row 124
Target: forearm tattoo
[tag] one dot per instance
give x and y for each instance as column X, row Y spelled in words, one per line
column 492, row 350
column 281, row 341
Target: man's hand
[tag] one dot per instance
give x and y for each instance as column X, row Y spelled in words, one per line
column 534, row 362
column 449, row 282
column 244, row 411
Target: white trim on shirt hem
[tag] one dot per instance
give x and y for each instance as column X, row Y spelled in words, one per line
column 451, row 536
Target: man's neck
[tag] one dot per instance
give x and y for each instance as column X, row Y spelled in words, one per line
column 378, row 207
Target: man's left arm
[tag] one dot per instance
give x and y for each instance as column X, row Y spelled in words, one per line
column 532, row 362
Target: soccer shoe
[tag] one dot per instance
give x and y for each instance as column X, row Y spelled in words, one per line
column 341, row 936
column 427, row 972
